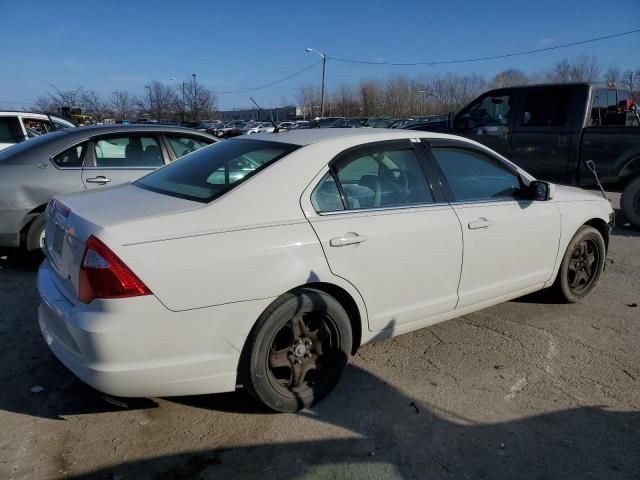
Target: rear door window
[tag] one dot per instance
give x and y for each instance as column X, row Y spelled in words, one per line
column 546, row 107
column 128, row 151
column 182, row 146
column 10, row 130
column 72, row 157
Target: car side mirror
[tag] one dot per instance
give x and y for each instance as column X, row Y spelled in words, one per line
column 540, row 191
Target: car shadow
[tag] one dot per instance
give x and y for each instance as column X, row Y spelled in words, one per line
column 392, row 435
column 18, row 260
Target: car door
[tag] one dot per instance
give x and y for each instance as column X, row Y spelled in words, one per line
column 385, row 229
column 121, row 158
column 542, row 141
column 180, row 145
column 510, row 243
column 489, row 120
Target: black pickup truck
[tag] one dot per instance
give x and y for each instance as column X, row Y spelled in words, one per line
column 553, row 130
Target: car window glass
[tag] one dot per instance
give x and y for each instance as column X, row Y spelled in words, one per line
column 492, row 110
column 606, row 111
column 546, row 107
column 326, row 197
column 10, row 130
column 181, row 146
column 383, row 178
column 472, row 176
column 210, row 172
column 72, row 157
column 135, row 151
column 40, row 127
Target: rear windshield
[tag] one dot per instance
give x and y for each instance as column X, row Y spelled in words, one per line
column 206, row 174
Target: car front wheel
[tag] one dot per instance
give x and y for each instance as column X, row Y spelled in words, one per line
column 582, row 265
column 297, row 351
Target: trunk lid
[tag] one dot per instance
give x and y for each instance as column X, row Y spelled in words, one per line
column 71, row 219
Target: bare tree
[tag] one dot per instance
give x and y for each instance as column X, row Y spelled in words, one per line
column 308, row 98
column 93, row 105
column 612, row 74
column 585, row 69
column 344, row 101
column 561, row 71
column 371, row 96
column 159, row 101
column 509, row 78
column 200, row 100
column 122, row 104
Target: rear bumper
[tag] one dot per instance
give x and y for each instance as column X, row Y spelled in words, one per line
column 137, row 348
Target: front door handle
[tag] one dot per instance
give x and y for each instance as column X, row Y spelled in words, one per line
column 347, row 239
column 480, row 223
column 100, row 180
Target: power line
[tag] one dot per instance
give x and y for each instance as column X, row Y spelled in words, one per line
column 277, row 81
column 480, row 59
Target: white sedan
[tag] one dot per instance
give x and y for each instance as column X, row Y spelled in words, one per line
column 265, row 261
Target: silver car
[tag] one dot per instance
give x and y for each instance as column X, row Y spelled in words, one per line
column 71, row 160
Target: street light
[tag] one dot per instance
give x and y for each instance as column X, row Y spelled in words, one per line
column 183, row 100
column 324, row 64
column 194, row 104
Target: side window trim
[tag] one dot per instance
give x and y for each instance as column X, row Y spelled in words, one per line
column 443, row 143
column 88, row 155
column 401, row 144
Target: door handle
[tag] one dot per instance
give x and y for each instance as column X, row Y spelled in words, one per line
column 480, row 223
column 347, row 239
column 100, row 180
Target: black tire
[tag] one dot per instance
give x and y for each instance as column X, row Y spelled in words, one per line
column 35, row 233
column 630, row 202
column 581, row 266
column 267, row 367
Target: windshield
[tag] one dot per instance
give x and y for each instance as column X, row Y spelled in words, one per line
column 206, row 174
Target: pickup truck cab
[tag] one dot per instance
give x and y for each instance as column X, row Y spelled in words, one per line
column 553, row 130
column 16, row 127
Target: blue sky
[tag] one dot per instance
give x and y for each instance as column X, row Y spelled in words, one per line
column 112, row 45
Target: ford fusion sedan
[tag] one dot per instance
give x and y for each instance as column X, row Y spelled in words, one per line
column 265, row 261
column 87, row 158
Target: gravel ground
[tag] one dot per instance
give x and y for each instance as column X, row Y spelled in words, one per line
column 526, row 389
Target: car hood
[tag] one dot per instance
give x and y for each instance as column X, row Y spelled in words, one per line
column 564, row 193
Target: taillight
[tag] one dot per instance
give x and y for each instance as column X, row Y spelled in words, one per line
column 104, row 275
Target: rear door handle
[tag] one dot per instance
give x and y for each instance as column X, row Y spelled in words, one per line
column 100, row 179
column 347, row 239
column 480, row 223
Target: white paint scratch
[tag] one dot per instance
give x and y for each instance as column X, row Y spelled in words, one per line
column 552, row 351
column 517, row 387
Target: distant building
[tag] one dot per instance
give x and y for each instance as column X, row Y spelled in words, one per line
column 278, row 114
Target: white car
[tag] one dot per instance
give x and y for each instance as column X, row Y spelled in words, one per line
column 16, row 127
column 265, row 261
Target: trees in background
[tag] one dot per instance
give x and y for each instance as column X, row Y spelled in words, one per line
column 159, row 101
column 396, row 96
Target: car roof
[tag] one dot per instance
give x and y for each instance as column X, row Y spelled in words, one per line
column 314, row 135
column 15, row 114
column 128, row 128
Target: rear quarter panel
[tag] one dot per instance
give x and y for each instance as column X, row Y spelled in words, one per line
column 611, row 149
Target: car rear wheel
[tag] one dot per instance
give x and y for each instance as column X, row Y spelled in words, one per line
column 630, row 202
column 35, row 234
column 582, row 265
column 297, row 351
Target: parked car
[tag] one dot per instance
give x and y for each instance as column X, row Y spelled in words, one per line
column 259, row 127
column 287, row 125
column 228, row 130
column 555, row 130
column 354, row 122
column 193, row 280
column 16, row 127
column 319, row 122
column 82, row 158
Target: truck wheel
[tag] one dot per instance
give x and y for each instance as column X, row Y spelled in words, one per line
column 297, row 350
column 35, row 234
column 581, row 266
column 630, row 202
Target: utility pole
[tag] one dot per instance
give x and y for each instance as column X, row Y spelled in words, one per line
column 324, row 67
column 194, row 103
